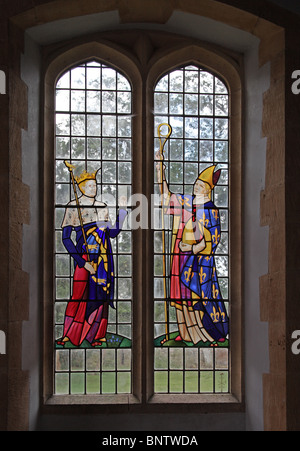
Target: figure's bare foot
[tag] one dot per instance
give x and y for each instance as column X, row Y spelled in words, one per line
column 97, row 343
column 215, row 343
column 63, row 341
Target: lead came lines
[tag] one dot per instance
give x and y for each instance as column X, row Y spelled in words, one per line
column 209, row 150
column 85, row 126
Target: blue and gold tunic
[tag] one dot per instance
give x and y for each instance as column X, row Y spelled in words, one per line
column 198, row 273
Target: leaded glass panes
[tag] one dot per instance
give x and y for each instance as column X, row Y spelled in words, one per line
column 93, row 252
column 191, row 285
column 191, row 237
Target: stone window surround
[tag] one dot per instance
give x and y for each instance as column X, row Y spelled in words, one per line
column 271, row 49
column 229, row 67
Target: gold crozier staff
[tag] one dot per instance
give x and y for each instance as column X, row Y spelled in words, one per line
column 162, row 141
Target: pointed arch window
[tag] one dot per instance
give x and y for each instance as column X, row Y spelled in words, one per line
column 93, row 248
column 151, row 312
column 191, row 259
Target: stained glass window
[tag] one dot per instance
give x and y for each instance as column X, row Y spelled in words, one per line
column 93, row 249
column 93, row 242
column 191, row 237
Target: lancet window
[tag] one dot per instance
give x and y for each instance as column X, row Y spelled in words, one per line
column 93, row 243
column 191, row 240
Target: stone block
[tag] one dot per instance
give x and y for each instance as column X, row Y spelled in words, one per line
column 272, row 204
column 274, row 402
column 19, row 202
column 150, row 11
column 18, row 111
column 19, row 295
column 272, row 296
column 18, row 407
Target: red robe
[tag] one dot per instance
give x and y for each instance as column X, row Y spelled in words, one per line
column 182, row 209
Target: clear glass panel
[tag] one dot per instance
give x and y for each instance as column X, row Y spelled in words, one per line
column 78, row 78
column 124, row 172
column 109, row 148
column 109, row 125
column 124, row 265
column 124, row 103
column 206, row 128
column 221, row 128
column 109, row 104
column 77, row 150
column 177, row 126
column 191, row 81
column 221, row 151
column 124, row 289
column 161, row 102
column 60, row 172
column 221, row 105
column 191, row 104
column 207, row 105
column 62, row 100
column 176, row 149
column 124, row 126
column 176, row 104
column 220, row 87
column 93, row 101
column 191, row 287
column 124, row 149
column 206, row 151
column 77, row 101
column 163, row 84
column 191, row 150
column 206, row 82
column 64, row 81
column 176, row 81
column 123, row 83
column 109, row 173
column 109, row 79
column 93, row 305
column 62, row 147
column 93, row 125
column 93, row 80
column 191, row 127
column 78, row 124
column 62, row 124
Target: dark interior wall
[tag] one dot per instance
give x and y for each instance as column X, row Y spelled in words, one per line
column 32, row 245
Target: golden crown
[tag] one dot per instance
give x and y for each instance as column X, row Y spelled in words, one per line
column 83, row 176
column 86, row 176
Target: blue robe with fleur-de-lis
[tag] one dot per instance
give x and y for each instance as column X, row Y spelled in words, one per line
column 200, row 274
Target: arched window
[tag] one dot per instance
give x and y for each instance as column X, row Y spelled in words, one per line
column 93, row 248
column 170, row 137
column 191, row 260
